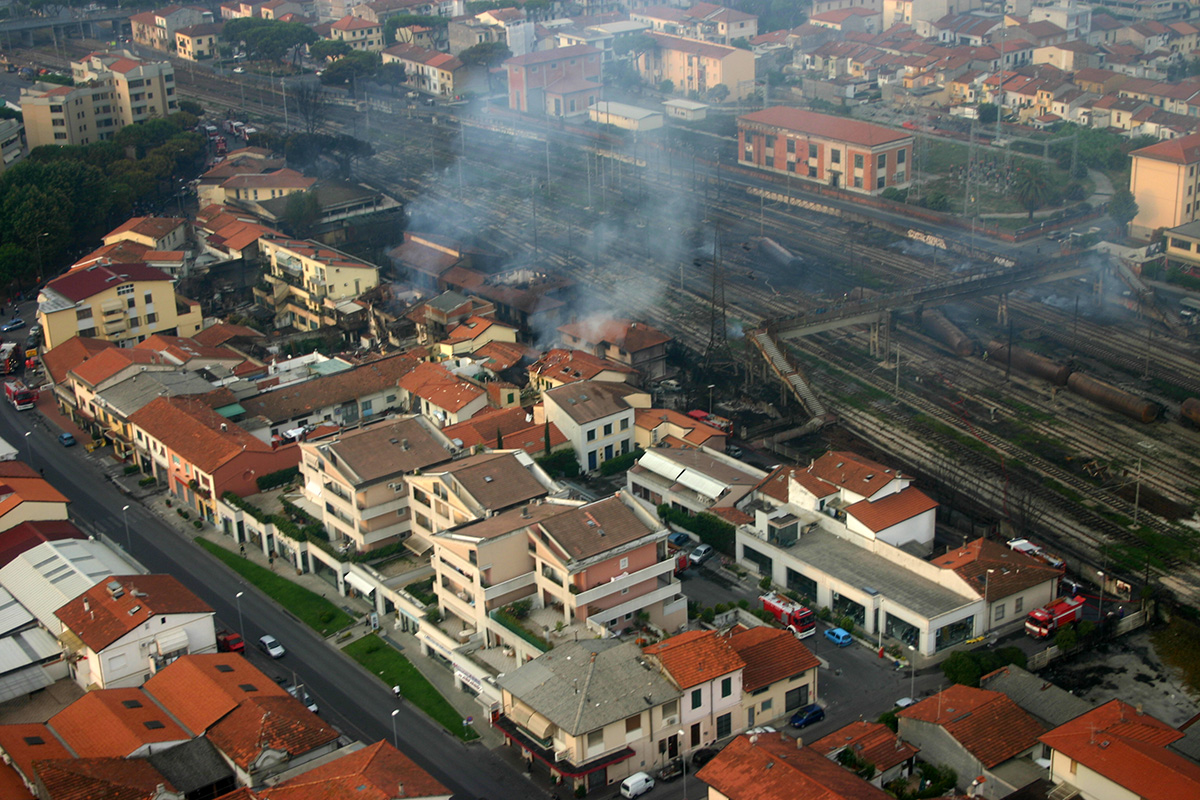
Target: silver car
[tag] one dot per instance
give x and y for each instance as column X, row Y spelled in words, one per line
column 271, row 646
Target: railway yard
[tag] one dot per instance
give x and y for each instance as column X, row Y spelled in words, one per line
column 674, row 236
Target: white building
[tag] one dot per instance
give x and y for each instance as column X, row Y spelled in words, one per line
column 597, row 418
column 691, row 480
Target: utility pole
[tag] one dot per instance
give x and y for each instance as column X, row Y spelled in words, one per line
column 897, row 370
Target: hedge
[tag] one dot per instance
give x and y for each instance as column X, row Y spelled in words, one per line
column 710, row 528
column 620, row 463
column 275, row 479
column 560, row 465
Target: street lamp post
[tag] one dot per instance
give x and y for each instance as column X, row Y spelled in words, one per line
column 241, row 627
column 395, row 738
column 1098, row 572
column 125, row 517
column 28, row 448
column 711, row 386
column 683, row 757
column 912, row 681
column 987, row 610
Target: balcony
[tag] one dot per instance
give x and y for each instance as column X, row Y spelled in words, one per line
column 509, row 586
column 668, row 592
column 624, row 582
column 379, row 509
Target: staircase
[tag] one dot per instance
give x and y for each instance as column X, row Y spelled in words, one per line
column 782, row 366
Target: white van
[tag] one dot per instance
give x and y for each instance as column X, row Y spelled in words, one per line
column 636, row 784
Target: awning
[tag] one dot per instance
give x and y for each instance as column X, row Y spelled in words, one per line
column 23, row 682
column 418, row 544
column 539, row 726
column 359, row 583
column 171, row 641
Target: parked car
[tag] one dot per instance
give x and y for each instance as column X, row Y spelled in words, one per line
column 239, row 70
column 271, row 646
column 230, row 642
column 35, row 331
column 13, row 324
column 636, row 785
column 905, row 702
column 672, row 770
column 301, row 694
column 66, row 440
column 734, row 451
column 761, row 729
column 839, row 637
column 807, row 716
column 704, row 755
column 679, row 538
column 702, row 553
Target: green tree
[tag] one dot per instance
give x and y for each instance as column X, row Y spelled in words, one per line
column 301, row 214
column 16, row 264
column 345, row 150
column 718, row 93
column 328, row 49
column 987, row 113
column 742, row 43
column 192, row 107
column 1032, row 189
column 392, row 74
column 1122, row 208
column 486, row 54
column 667, row 86
column 634, row 46
column 344, row 71
column 398, row 21
column 960, row 667
column 268, row 39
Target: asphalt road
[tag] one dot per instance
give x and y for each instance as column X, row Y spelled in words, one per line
column 349, row 699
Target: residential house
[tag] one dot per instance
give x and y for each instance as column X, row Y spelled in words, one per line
column 1183, row 247
column 532, row 301
column 277, row 9
column 511, row 428
column 1164, row 184
column 199, row 42
column 122, row 303
column 115, row 723
column 602, row 37
column 424, row 258
column 86, row 112
column 584, row 569
column 850, row 154
column 358, row 33
column 695, row 66
column 559, row 366
column 1098, row 81
column 625, row 341
column 855, row 19
column 1117, row 750
column 356, row 478
column 433, row 71
column 471, row 334
column 199, row 455
column 1070, row 56
column 439, row 395
column 1011, row 583
column 708, row 673
column 780, row 676
column 310, row 285
column 245, row 161
column 561, row 83
column 374, row 771
column 873, row 744
column 596, row 417
column 25, row 496
column 777, row 766
column 693, row 480
column 509, row 26
column 157, row 28
column 247, row 188
column 121, row 630
column 1049, row 704
column 156, row 233
column 982, row 735
column 664, row 427
column 590, row 713
column 704, row 22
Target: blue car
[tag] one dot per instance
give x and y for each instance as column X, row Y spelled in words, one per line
column 66, row 440
column 839, row 637
column 679, row 538
column 808, row 715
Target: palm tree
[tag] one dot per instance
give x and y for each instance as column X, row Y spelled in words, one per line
column 1032, row 189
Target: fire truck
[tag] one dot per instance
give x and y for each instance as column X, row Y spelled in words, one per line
column 796, row 618
column 1043, row 622
column 20, row 395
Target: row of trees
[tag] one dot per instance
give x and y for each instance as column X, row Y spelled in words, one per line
column 268, row 39
column 60, row 200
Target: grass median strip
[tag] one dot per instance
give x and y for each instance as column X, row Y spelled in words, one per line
column 312, row 609
column 394, row 669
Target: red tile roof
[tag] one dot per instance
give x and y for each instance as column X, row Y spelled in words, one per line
column 99, row 619
column 199, row 690
column 112, row 723
column 873, row 742
column 14, row 491
column 311, row 395
column 123, row 251
column 853, row 472
column 988, row 724
column 353, row 23
column 513, row 424
column 437, row 386
column 696, row 657
column 70, row 354
column 892, row 509
column 471, row 328
column 372, row 773
column 693, row 46
column 259, row 724
column 183, row 350
column 19, row 538
column 84, row 282
column 770, row 655
column 110, row 361
column 1184, row 150
column 774, row 768
column 826, row 126
column 1011, row 571
column 27, row 743
column 280, row 179
column 776, row 484
column 222, row 332
column 196, row 433
column 697, row 433
column 502, row 355
column 1128, row 749
column 626, row 334
column 108, row 778
column 153, row 227
column 567, row 366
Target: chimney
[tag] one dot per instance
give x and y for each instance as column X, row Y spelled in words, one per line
column 400, row 789
column 224, row 427
column 87, row 605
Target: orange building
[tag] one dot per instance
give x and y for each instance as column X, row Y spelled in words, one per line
column 834, row 151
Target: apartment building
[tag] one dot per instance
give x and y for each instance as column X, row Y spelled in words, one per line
column 358, row 33
column 834, row 151
column 198, row 42
column 562, row 82
column 634, row 344
column 434, row 71
column 596, row 417
column 1165, row 185
column 357, row 478
column 708, row 672
column 157, row 29
column 705, row 22
column 696, row 66
column 306, row 282
column 122, row 303
column 691, row 479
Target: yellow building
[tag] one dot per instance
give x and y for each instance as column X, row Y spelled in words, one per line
column 198, row 42
column 123, row 303
column 306, row 282
column 695, row 66
column 360, row 34
column 111, row 90
column 1165, row 185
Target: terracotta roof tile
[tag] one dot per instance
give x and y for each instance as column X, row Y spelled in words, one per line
column 199, row 690
column 626, row 334
column 259, row 724
column 776, row 485
column 695, row 433
column 774, row 768
column 853, row 472
column 195, row 432
column 113, row 723
column 154, row 227
column 873, row 742
column 110, row 361
column 567, row 366
column 223, row 332
column 770, row 655
column 70, row 354
column 99, row 619
column 696, row 657
column 311, row 395
column 892, row 509
column 1011, row 571
column 280, row 179
column 16, row 490
column 1183, row 150
column 84, row 282
column 437, row 386
column 988, row 724
column 24, row 744
column 826, row 126
column 372, row 773
column 513, row 424
column 108, row 778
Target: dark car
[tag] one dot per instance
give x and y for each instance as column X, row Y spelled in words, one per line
column 66, row 440
column 703, row 756
column 808, row 715
column 679, row 539
column 13, row 324
column 671, row 770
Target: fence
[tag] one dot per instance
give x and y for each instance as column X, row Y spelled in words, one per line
column 1123, row 626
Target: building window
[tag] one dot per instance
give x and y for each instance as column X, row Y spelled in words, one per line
column 125, row 289
column 724, row 725
column 151, row 318
column 608, row 429
column 791, row 145
column 769, row 162
column 858, row 161
column 880, row 182
column 1018, row 605
column 901, row 156
column 591, row 435
column 767, row 705
column 858, row 182
column 836, row 156
column 86, row 311
column 812, row 151
column 812, row 172
column 726, row 687
column 770, row 142
column 999, row 611
column 881, row 161
column 624, row 424
column 697, row 698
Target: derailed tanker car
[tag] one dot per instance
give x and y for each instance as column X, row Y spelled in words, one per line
column 1031, row 363
column 947, row 332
